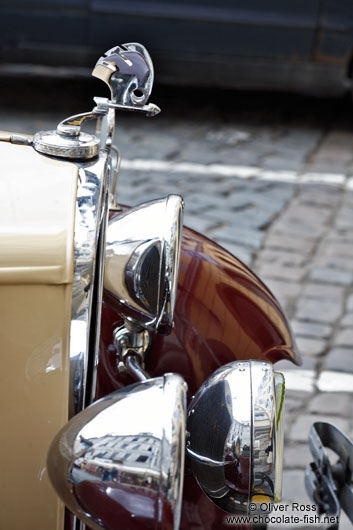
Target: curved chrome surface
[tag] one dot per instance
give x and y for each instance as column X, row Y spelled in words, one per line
column 142, row 261
column 128, row 71
column 89, row 247
column 234, row 435
column 134, row 368
column 71, row 126
column 113, row 169
column 267, row 433
column 125, row 447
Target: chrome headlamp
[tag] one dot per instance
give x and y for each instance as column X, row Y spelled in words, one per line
column 128, row 448
column 121, row 460
column 235, row 435
column 142, row 261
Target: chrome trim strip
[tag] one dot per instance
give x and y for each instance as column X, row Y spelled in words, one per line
column 90, row 221
column 264, row 433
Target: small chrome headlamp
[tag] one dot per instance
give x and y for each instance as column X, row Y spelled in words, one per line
column 142, row 261
column 235, row 435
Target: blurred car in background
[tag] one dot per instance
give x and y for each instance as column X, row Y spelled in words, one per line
column 298, row 45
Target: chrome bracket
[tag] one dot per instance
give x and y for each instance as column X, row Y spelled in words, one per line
column 150, row 109
column 132, row 342
column 71, row 127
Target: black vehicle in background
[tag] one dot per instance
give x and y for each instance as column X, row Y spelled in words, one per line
column 293, row 45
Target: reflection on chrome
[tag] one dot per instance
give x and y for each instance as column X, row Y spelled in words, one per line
column 142, row 261
column 235, row 435
column 128, row 71
column 90, row 223
column 123, row 457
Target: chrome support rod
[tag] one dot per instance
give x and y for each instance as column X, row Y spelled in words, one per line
column 134, row 368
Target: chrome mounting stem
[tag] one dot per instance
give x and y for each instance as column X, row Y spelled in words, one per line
column 132, row 342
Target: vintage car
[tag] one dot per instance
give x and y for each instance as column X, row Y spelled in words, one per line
column 137, row 388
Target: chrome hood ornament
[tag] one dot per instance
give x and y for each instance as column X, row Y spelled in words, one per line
column 235, row 435
column 128, row 71
column 123, row 456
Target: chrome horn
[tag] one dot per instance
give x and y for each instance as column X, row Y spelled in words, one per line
column 120, row 462
column 235, row 435
column 142, row 261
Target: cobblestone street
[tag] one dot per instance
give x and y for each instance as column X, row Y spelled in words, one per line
column 270, row 178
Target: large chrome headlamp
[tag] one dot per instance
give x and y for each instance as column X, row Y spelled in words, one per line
column 120, row 462
column 235, row 435
column 142, row 261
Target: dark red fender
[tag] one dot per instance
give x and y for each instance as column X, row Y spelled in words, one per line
column 138, row 508
column 223, row 313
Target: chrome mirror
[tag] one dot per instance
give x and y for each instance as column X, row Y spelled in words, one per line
column 142, row 261
column 120, row 462
column 235, row 435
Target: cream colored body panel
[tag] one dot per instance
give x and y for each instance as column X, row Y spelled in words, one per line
column 35, row 324
column 37, row 207
column 36, row 216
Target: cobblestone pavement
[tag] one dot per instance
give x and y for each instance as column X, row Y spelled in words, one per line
column 270, row 179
